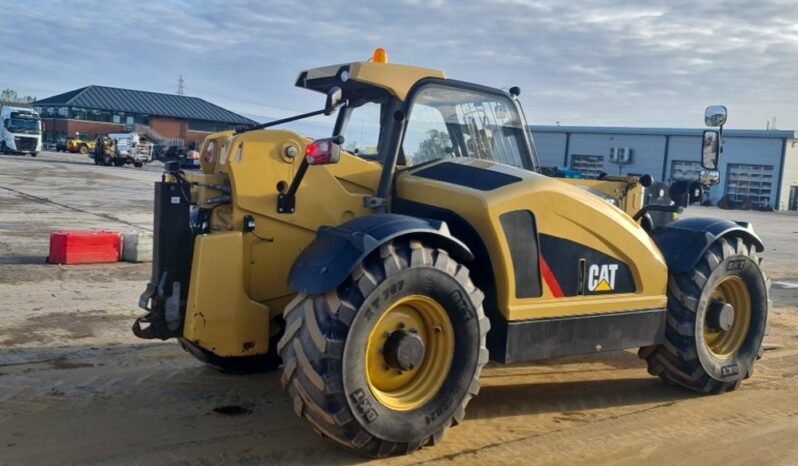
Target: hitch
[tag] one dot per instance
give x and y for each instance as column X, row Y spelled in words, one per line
column 164, row 319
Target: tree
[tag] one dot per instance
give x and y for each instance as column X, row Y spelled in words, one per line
column 11, row 96
column 437, row 144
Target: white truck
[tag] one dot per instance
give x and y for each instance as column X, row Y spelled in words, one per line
column 20, row 131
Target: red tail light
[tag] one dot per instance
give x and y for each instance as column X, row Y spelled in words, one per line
column 323, row 152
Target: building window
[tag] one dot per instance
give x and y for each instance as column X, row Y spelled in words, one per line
column 590, row 166
column 52, row 112
column 77, row 113
column 685, row 170
column 208, row 126
column 754, row 182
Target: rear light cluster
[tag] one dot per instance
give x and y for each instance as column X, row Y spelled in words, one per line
column 324, row 151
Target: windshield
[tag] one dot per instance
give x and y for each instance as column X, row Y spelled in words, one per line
column 23, row 125
column 448, row 122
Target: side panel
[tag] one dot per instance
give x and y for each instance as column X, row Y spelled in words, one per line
column 220, row 316
column 565, row 214
column 550, row 338
column 328, row 196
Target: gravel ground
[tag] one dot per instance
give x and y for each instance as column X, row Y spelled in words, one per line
column 76, row 387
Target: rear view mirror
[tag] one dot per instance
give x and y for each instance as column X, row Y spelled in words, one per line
column 710, row 149
column 715, row 115
column 335, row 99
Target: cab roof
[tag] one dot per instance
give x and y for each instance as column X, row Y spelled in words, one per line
column 396, row 79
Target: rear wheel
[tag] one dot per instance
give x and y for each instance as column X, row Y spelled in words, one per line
column 389, row 360
column 118, row 162
column 34, row 154
column 138, row 164
column 84, row 149
column 716, row 320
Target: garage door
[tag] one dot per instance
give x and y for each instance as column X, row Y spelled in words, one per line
column 754, row 182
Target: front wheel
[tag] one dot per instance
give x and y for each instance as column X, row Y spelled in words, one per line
column 717, row 316
column 83, row 149
column 34, row 154
column 386, row 362
column 138, row 164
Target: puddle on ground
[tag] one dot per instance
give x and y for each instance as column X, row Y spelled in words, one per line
column 232, row 410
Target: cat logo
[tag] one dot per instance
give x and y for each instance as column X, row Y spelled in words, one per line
column 601, row 277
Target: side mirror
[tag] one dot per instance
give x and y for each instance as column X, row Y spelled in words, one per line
column 709, row 177
column 715, row 115
column 710, row 149
column 324, row 151
column 335, row 99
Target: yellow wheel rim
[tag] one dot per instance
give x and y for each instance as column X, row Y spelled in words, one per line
column 725, row 343
column 403, row 390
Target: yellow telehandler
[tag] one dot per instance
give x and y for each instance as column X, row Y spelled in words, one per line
column 382, row 267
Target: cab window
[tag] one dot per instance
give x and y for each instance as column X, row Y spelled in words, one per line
column 362, row 133
column 448, row 122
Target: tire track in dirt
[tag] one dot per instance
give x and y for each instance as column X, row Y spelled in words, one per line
column 725, row 429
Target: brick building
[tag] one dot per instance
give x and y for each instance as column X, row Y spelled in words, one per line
column 164, row 118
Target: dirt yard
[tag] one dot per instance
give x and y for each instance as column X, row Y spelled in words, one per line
column 76, row 387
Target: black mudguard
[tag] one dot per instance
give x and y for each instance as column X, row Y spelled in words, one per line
column 336, row 252
column 684, row 242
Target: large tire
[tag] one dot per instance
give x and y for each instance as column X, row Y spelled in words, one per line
column 138, row 164
column 84, row 149
column 34, row 154
column 118, row 162
column 704, row 350
column 327, row 350
column 238, row 365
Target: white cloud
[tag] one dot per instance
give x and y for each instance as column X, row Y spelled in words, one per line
column 618, row 62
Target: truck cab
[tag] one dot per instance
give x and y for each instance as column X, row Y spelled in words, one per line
column 21, row 131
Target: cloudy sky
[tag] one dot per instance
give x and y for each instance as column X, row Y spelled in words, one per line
column 596, row 62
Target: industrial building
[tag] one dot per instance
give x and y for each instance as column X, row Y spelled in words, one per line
column 164, row 118
column 760, row 165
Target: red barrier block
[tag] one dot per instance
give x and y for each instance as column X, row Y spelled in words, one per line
column 84, row 247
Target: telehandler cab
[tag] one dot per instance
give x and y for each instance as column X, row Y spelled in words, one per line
column 422, row 241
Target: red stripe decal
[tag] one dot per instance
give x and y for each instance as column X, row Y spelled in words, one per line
column 551, row 280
